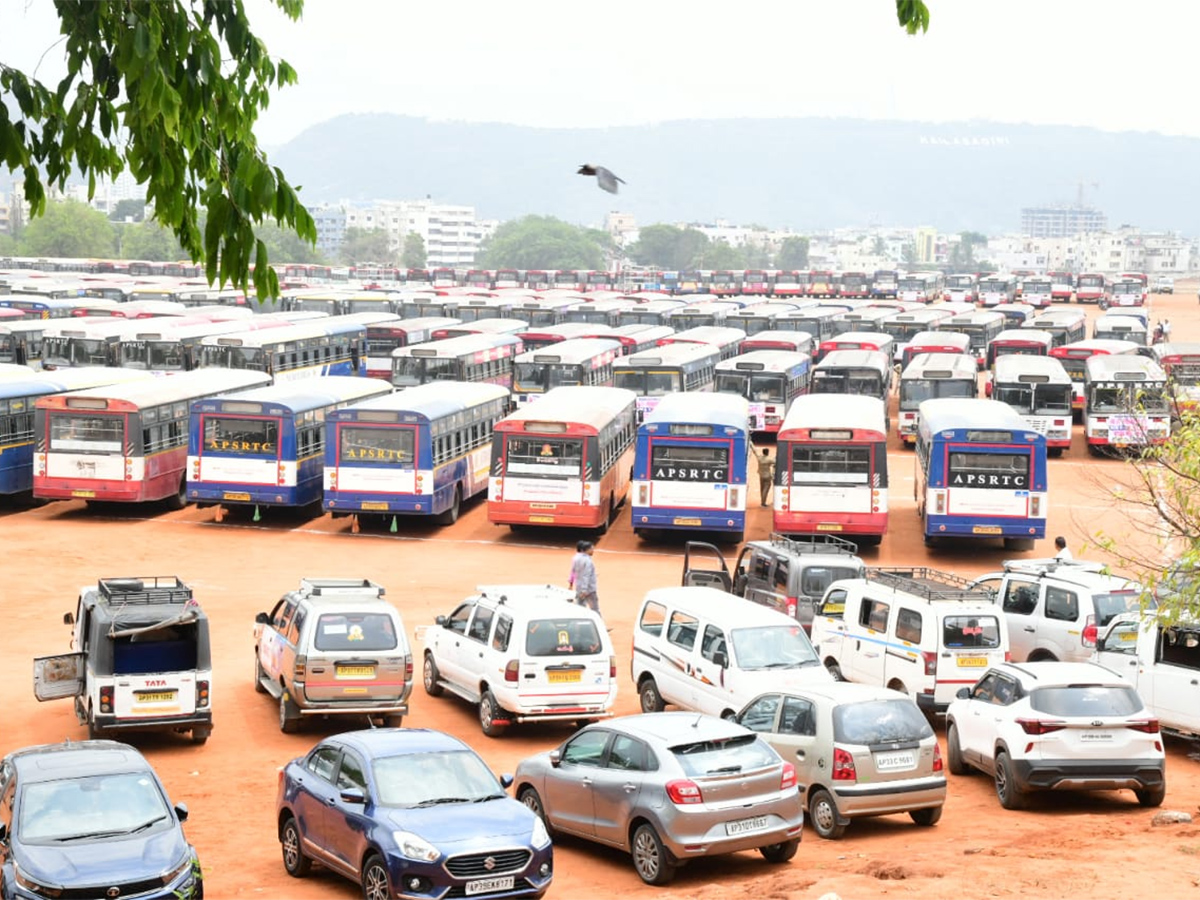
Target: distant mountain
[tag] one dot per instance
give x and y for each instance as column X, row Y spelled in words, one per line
column 804, row 173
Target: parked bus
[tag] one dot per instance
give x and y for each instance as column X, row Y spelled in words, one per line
column 1074, row 357
column 769, row 379
column 373, row 301
column 756, row 283
column 791, row 284
column 599, row 312
column 633, row 338
column 980, row 326
column 934, row 342
column 831, row 472
column 961, row 289
column 816, row 320
column 758, row 317
column 920, row 287
column 1091, row 287
column 1015, row 314
column 37, row 306
column 1037, row 291
column 671, row 368
column 980, row 472
column 174, row 345
column 727, row 341
column 19, row 391
column 599, row 281
column 1142, row 279
column 1067, row 325
column 587, row 361
column 327, row 302
column 865, row 372
column 384, row 337
column 473, row 357
column 690, row 467
column 85, row 342
column 1180, row 360
column 1062, row 286
column 1127, row 292
column 265, row 447
column 861, row 318
column 472, row 309
column 507, row 278
column 564, row 459
column 126, row 443
column 549, row 335
column 930, row 376
column 541, row 312
column 335, row 346
column 1040, row 390
column 568, row 279
column 1019, row 342
column 904, row 326
column 653, row 312
column 725, row 284
column 710, row 313
column 854, row 285
column 1121, row 328
column 1125, row 403
column 822, row 283
column 430, row 306
column 778, row 339
column 858, row 340
column 885, row 283
column 207, row 297
column 21, row 342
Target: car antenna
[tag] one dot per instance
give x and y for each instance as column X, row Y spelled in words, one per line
column 696, row 723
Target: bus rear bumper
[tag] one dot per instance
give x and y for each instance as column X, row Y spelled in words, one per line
column 686, row 520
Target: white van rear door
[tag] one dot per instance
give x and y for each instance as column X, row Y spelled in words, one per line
column 564, row 662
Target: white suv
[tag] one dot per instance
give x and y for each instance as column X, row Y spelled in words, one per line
column 1056, row 726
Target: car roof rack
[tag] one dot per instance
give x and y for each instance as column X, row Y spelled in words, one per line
column 150, row 589
column 931, row 584
column 1050, row 565
column 814, row 543
column 505, row 594
column 354, row 587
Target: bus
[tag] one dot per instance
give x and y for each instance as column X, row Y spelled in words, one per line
column 471, row 309
column 652, row 312
column 587, row 361
column 854, row 285
column 327, row 302
column 423, row 451
column 879, row 341
column 1019, row 342
column 727, row 341
column 19, row 391
column 1074, row 357
column 1062, row 286
column 996, row 289
column 265, row 447
column 980, row 326
column 1037, row 291
column 1067, row 325
column 442, row 277
column 384, row 337
column 21, row 342
column 85, row 342
column 473, row 357
column 864, row 372
column 564, row 460
column 1121, row 328
column 335, row 346
column 1015, row 314
column 725, row 284
column 933, row 342
column 1040, row 390
column 173, row 345
column 862, row 318
column 492, row 326
column 599, row 281
column 929, row 376
column 1125, row 403
column 427, row 306
column 756, row 282
column 598, row 312
column 1181, row 362
column 710, row 313
column 885, row 283
column 1142, row 279
column 980, row 473
column 831, row 473
column 769, row 379
column 1127, row 292
column 478, row 278
column 547, row 336
column 822, row 283
column 49, row 307
column 778, row 339
column 373, row 302
column 961, row 289
column 758, row 317
column 920, row 287
column 819, row 321
column 1091, row 287
column 671, row 368
column 126, row 443
column 633, row 338
column 690, row 467
column 904, row 326
column 227, row 297
column 542, row 311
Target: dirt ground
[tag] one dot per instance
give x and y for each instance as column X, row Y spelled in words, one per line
column 1100, row 846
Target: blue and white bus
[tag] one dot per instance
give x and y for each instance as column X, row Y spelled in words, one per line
column 328, row 346
column 423, row 451
column 265, row 447
column 980, row 472
column 689, row 466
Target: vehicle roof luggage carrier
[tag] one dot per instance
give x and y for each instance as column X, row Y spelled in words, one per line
column 154, row 589
column 341, row 587
column 816, row 543
column 1049, row 565
column 931, row 584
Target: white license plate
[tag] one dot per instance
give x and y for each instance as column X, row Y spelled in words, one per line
column 490, row 885
column 746, row 826
column 895, row 760
column 1095, row 737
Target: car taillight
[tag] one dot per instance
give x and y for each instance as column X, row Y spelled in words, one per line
column 106, row 699
column 511, row 670
column 612, row 667
column 937, row 758
column 408, row 668
column 843, row 766
column 1089, row 632
column 683, row 792
column 792, row 605
column 201, row 693
column 298, row 669
column 1149, row 726
column 930, row 658
column 1040, row 726
column 788, row 779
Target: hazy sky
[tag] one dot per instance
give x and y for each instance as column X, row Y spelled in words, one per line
column 1111, row 64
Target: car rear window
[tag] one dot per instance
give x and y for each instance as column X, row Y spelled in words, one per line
column 562, row 637
column 971, row 632
column 743, row 753
column 879, row 722
column 355, row 631
column 1086, row 700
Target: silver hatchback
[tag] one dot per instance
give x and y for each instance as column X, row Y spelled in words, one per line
column 859, row 750
column 667, row 787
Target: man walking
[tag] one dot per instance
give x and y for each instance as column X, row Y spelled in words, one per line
column 583, row 572
column 766, row 474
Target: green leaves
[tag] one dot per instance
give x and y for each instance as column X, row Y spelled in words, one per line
column 913, row 15
column 542, row 242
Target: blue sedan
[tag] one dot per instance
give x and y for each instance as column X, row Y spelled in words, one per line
column 410, row 813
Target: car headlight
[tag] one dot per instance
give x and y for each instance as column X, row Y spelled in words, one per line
column 176, row 871
column 541, row 837
column 415, row 847
column 36, row 887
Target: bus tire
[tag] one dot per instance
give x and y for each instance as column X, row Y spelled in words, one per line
column 602, row 528
column 450, row 515
column 178, row 500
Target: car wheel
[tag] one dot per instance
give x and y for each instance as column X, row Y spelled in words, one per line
column 200, row 736
column 654, row 865
column 1152, row 796
column 823, row 814
column 295, row 863
column 489, row 712
column 289, row 714
column 533, row 800
column 651, row 699
column 1010, row 796
column 779, row 853
column 430, row 675
column 835, row 670
column 954, row 760
column 375, row 882
column 926, row 817
column 259, row 674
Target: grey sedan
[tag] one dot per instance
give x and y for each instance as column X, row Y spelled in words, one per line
column 667, row 787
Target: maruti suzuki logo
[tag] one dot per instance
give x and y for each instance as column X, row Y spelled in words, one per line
column 489, row 863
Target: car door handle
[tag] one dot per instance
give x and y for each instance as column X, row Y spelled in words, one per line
column 629, row 788
column 799, row 754
column 329, row 801
column 585, row 781
column 1030, row 629
column 1194, row 681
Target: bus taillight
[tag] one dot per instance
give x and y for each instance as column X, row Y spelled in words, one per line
column 128, row 469
column 1035, row 506
column 939, row 503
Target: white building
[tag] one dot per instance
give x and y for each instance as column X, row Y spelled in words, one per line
column 452, row 234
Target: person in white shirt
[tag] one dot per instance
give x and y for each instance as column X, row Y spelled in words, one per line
column 1060, row 544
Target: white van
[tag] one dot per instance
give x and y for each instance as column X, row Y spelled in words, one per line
column 916, row 630
column 523, row 653
column 703, row 649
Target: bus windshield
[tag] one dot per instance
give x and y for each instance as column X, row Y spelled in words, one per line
column 851, row 381
column 411, row 370
column 241, row 437
column 1128, row 398
column 86, row 434
column 75, row 351
column 377, row 446
column 914, row 390
column 648, row 384
column 543, row 457
column 823, row 465
column 761, row 388
column 1040, row 399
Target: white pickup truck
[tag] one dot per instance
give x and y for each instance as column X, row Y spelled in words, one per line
column 1162, row 662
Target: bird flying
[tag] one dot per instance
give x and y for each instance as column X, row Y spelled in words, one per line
column 604, row 178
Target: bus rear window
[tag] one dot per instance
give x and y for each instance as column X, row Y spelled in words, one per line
column 86, row 434
column 539, row 457
column 988, row 470
column 376, row 446
column 698, row 462
column 241, row 437
column 562, row 637
column 830, row 465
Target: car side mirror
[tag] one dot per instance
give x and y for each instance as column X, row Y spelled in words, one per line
column 963, row 694
column 506, row 780
column 354, row 795
column 262, row 619
column 441, row 620
column 719, row 659
column 555, row 758
column 69, row 619
column 3, row 833
column 181, row 812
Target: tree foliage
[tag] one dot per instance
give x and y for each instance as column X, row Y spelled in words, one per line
column 285, row 246
column 132, row 208
column 793, row 254
column 361, row 245
column 68, row 228
column 149, row 241
column 413, row 256
column 913, row 15
column 668, row 247
column 169, row 90
column 542, row 242
column 8, row 245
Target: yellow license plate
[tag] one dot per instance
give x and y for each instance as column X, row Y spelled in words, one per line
column 564, row 677
column 355, row 671
column 374, row 504
column 156, row 697
column 542, row 519
column 976, row 661
column 987, row 529
column 83, row 493
column 236, row 495
column 542, row 505
column 693, row 522
column 829, row 528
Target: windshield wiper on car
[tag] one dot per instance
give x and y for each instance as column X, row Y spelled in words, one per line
column 723, row 770
column 496, row 796
column 435, row 801
column 145, row 825
column 88, row 835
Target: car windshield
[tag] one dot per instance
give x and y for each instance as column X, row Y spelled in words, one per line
column 429, row 779
column 743, row 753
column 1086, row 700
column 772, row 647
column 78, row 809
column 879, row 722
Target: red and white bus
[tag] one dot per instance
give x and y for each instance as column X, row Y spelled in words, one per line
column 1062, row 286
column 934, row 342
column 564, row 460
column 1125, row 403
column 879, row 341
column 479, row 278
column 779, row 339
column 539, row 280
column 790, row 284
column 384, row 337
column 726, row 340
column 831, row 474
column 576, row 361
column 1127, row 291
column 507, row 278
column 756, row 282
column 633, row 338
column 854, row 284
column 1181, row 361
column 770, row 380
column 1019, row 342
column 1074, row 357
column 1091, row 287
column 821, row 283
column 442, row 277
column 126, row 443
column 1141, row 278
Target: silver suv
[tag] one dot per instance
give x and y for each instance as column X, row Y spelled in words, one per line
column 334, row 647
